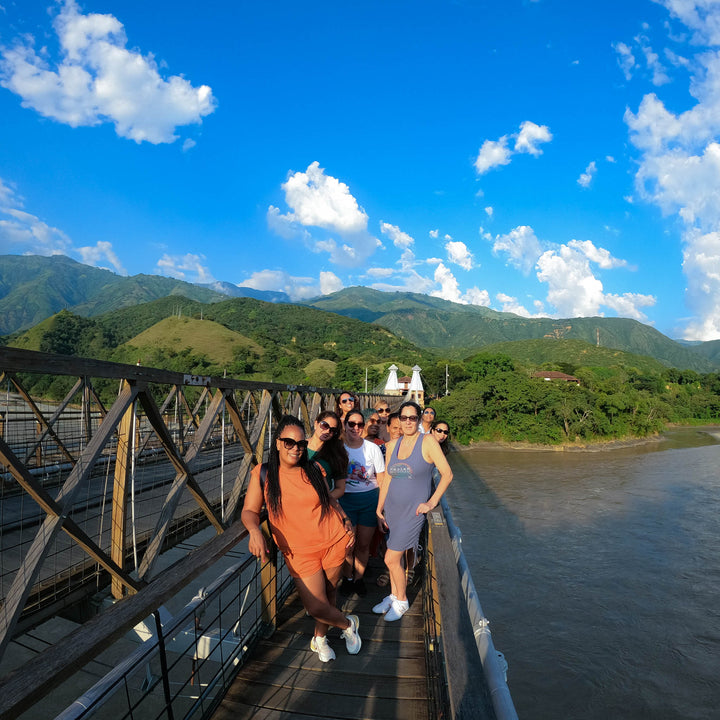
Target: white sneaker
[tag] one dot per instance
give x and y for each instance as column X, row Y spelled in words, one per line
column 353, row 643
column 319, row 644
column 384, row 605
column 397, row 610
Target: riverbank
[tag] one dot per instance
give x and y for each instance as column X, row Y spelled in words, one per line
column 599, row 445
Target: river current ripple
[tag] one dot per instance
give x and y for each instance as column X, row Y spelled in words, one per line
column 600, row 574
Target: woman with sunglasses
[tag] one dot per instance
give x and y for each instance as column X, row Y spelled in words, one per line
column 309, row 528
column 326, row 447
column 406, row 495
column 428, row 418
column 365, row 465
column 346, row 402
column 441, row 432
column 383, row 411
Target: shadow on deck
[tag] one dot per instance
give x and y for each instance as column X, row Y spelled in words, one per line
column 387, row 679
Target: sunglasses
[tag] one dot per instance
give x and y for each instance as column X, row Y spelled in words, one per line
column 444, row 432
column 409, row 418
column 352, row 424
column 347, row 400
column 383, row 410
column 327, row 427
column 289, row 443
column 429, row 412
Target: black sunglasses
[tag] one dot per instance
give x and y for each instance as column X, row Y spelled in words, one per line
column 409, row 418
column 383, row 410
column 352, row 424
column 444, row 432
column 327, row 427
column 289, row 443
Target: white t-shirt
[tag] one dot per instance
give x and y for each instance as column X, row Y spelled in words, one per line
column 364, row 465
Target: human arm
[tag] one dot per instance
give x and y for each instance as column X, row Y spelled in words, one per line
column 339, row 490
column 432, row 452
column 384, row 483
column 250, row 516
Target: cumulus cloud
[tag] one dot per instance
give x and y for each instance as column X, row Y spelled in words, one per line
column 97, row 79
column 489, row 211
column 573, row 288
column 586, row 178
column 23, row 232
column 510, row 304
column 400, row 239
column 188, row 267
column 329, row 282
column 459, row 254
column 521, row 247
column 679, row 163
column 297, row 288
column 449, row 289
column 494, row 153
column 434, row 233
column 317, row 200
column 101, row 253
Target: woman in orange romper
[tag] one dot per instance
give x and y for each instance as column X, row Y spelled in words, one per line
column 308, row 526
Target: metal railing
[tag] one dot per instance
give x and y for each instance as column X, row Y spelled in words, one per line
column 186, row 663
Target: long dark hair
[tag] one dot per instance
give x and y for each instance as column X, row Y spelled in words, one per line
column 333, row 450
column 311, row 469
column 445, row 444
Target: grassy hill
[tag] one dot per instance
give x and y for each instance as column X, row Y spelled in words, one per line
column 459, row 330
column 578, row 353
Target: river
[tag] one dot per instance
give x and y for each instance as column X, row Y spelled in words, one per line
column 600, row 574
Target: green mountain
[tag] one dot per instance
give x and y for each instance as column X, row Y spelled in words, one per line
column 460, row 330
column 34, row 287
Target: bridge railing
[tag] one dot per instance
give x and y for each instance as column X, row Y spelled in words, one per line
column 125, row 463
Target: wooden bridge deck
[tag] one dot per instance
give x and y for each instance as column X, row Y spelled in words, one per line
column 386, row 680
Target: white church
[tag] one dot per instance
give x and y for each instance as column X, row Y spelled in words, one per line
column 409, row 388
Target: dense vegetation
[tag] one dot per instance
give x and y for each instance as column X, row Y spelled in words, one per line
column 500, row 400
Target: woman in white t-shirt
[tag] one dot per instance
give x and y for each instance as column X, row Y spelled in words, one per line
column 365, row 464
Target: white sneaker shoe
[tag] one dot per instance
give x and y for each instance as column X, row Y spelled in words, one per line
column 397, row 610
column 384, row 605
column 319, row 644
column 353, row 643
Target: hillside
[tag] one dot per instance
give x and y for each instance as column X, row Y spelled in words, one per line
column 575, row 353
column 460, row 330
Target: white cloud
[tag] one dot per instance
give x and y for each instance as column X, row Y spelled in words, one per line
column 400, row 239
column 321, row 201
column 450, row 290
column 329, row 282
column 378, row 272
column 510, row 304
column 679, row 162
column 494, row 153
column 188, row 144
column 530, row 136
column 586, row 178
column 434, row 233
column 22, row 232
column 489, row 211
column 459, row 254
column 521, row 246
column 97, row 79
column 188, row 267
column 297, row 288
column 575, row 291
column 102, row 251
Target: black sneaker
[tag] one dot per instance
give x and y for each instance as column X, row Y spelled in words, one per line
column 347, row 586
column 360, row 588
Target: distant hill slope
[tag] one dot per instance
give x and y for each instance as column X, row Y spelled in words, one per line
column 460, row 330
column 571, row 352
column 34, row 287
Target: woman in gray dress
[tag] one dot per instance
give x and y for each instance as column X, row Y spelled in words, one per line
column 406, row 495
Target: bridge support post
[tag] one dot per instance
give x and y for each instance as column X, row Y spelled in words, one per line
column 269, row 585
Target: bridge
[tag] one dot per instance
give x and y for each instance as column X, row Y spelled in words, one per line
column 120, row 492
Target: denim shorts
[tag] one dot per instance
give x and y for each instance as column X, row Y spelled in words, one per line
column 361, row 507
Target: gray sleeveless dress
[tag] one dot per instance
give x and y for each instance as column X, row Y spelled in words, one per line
column 411, row 485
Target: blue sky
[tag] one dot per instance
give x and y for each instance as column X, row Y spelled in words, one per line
column 550, row 158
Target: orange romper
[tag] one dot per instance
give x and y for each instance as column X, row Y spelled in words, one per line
column 308, row 541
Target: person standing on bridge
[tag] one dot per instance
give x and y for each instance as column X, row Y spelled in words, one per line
column 308, row 526
column 406, row 496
